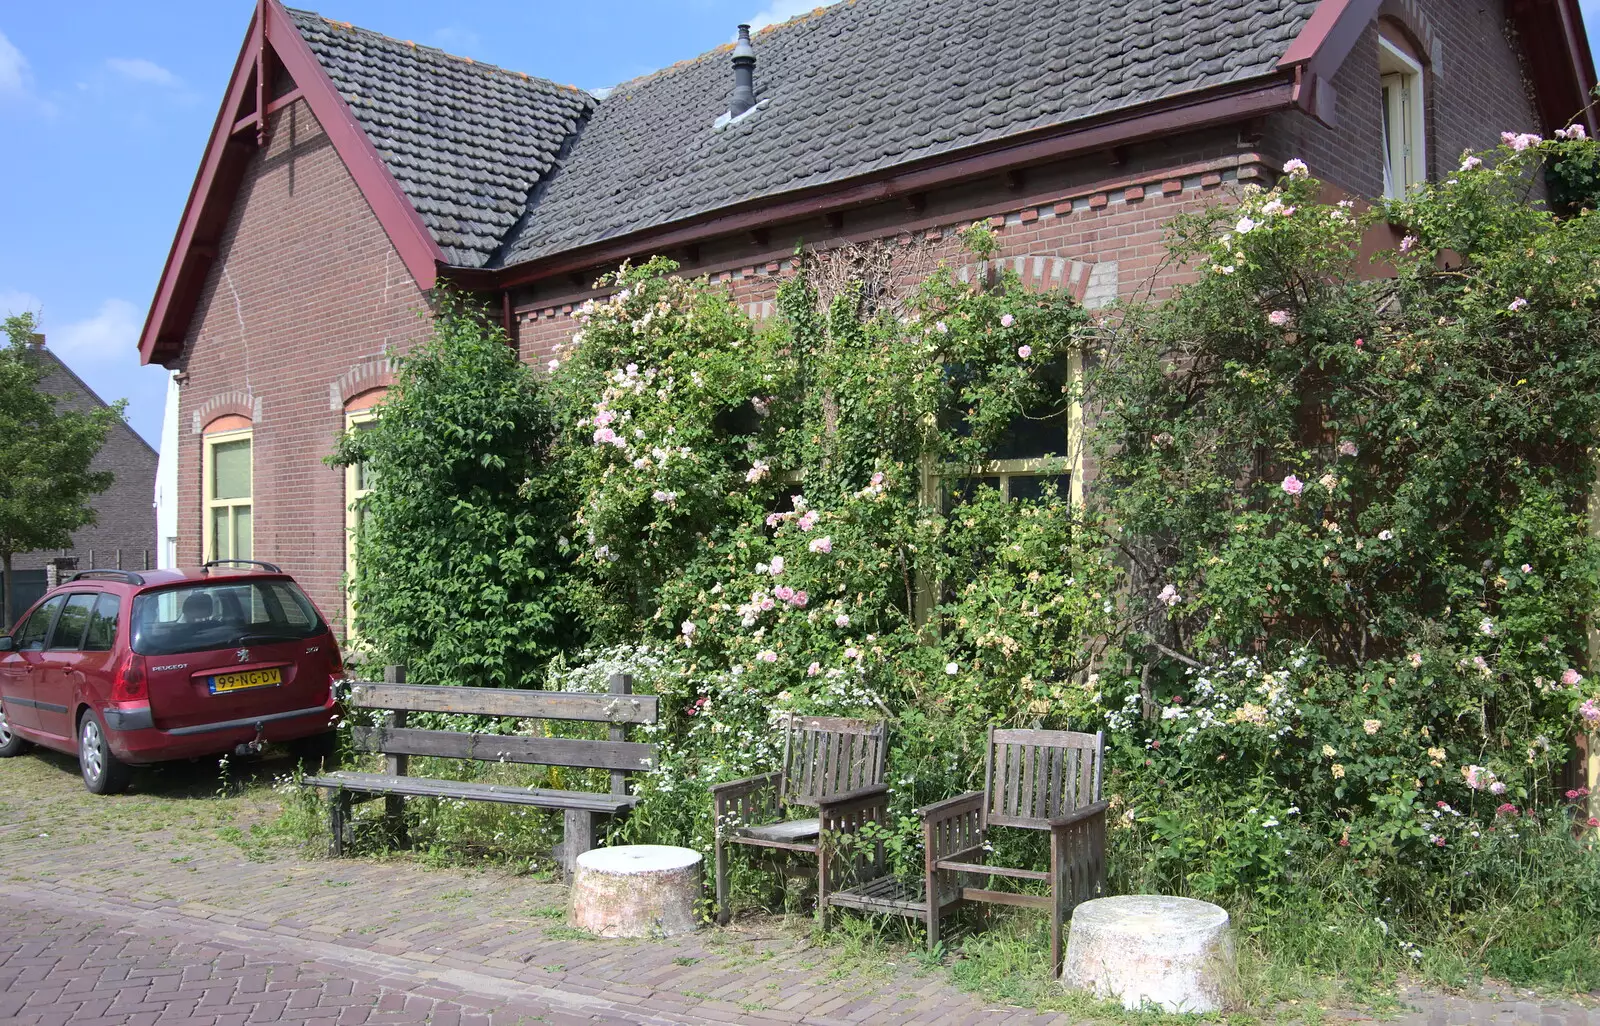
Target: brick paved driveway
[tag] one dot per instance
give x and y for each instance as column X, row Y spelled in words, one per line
column 138, row 909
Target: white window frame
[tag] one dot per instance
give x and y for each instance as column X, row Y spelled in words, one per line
column 1404, row 120
column 208, row 486
column 353, row 493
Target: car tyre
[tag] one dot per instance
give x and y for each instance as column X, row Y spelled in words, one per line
column 11, row 743
column 103, row 772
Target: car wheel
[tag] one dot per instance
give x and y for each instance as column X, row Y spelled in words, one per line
column 103, row 772
column 11, row 742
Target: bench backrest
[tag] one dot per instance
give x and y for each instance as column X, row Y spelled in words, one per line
column 619, row 707
column 829, row 755
column 1033, row 776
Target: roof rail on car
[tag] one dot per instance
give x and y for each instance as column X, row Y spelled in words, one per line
column 269, row 567
column 126, row 576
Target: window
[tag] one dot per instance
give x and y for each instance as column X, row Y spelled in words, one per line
column 68, row 635
column 102, row 632
column 201, row 617
column 358, row 481
column 31, row 637
column 1404, row 120
column 228, row 471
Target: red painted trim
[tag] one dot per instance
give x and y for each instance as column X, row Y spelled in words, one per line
column 1577, row 40
column 401, row 222
column 216, row 184
column 1181, row 115
column 1329, row 35
column 183, row 263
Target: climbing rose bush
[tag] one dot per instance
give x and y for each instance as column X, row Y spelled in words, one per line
column 1367, row 496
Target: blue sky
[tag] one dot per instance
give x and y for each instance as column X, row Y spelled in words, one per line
column 104, row 112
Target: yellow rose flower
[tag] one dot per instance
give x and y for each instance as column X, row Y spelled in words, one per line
column 1338, row 771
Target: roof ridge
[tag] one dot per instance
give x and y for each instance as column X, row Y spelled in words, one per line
column 822, row 10
column 412, row 44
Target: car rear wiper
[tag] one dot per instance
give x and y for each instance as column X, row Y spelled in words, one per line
column 257, row 639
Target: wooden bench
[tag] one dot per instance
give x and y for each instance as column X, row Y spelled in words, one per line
column 391, row 738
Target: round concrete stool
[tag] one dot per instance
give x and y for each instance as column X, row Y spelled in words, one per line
column 1176, row 953
column 635, row 890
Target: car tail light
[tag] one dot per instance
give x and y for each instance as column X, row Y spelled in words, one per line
column 128, row 684
column 335, row 667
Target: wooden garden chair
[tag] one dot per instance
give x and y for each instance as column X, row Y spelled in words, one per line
column 830, row 765
column 1032, row 779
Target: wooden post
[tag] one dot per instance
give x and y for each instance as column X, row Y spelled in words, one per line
column 577, row 837
column 621, row 684
column 394, row 806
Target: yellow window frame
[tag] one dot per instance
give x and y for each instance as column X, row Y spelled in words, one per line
column 356, row 488
column 209, row 502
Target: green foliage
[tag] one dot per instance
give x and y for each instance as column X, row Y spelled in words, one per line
column 1360, row 507
column 47, row 455
column 458, row 570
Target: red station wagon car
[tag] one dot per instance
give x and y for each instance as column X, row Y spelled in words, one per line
column 124, row 669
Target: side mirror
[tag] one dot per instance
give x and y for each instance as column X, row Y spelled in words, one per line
column 6, row 644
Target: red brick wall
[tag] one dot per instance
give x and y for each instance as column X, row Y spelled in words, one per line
column 1475, row 88
column 305, row 300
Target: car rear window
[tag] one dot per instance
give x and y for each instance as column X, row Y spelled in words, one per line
column 201, row 617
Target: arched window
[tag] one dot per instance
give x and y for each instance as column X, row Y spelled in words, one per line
column 1405, row 154
column 360, row 414
column 227, row 485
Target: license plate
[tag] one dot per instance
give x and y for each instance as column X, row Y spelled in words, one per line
column 225, row 682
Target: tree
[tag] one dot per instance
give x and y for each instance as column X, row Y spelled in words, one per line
column 457, row 571
column 46, row 478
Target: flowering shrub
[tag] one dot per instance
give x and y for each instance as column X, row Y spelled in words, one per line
column 1372, row 492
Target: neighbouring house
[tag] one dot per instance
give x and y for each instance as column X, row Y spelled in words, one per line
column 123, row 535
column 349, row 173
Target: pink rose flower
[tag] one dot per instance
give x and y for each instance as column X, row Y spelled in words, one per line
column 1347, row 448
column 1278, row 318
column 800, row 599
column 823, row 545
column 841, row 621
column 1517, row 305
column 1571, row 677
column 1024, row 351
column 1293, row 485
column 1006, row 321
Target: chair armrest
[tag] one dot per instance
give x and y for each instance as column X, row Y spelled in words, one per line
column 847, row 801
column 745, row 785
column 750, row 801
column 1078, row 815
column 951, row 807
column 953, row 827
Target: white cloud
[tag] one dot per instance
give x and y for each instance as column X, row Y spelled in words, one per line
column 14, row 302
column 16, row 81
column 782, row 10
column 109, row 337
column 137, row 69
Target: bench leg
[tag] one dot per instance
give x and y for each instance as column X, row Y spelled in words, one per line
column 338, row 818
column 577, row 838
column 722, row 884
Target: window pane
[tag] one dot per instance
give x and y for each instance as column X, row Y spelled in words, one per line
column 363, row 476
column 241, row 532
column 31, row 637
column 103, row 625
column 221, row 536
column 230, row 470
column 74, row 618
column 963, row 489
column 200, row 617
column 1033, row 487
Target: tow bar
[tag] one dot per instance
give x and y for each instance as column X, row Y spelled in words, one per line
column 253, row 747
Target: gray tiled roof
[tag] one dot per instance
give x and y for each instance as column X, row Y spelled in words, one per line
column 467, row 142
column 867, row 84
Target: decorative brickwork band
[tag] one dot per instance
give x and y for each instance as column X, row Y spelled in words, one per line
column 238, row 404
column 363, row 377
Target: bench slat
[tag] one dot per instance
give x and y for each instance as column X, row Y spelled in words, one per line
column 424, row 787
column 542, row 751
column 544, row 705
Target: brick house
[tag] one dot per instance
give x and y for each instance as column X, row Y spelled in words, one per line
column 348, row 173
column 124, row 532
